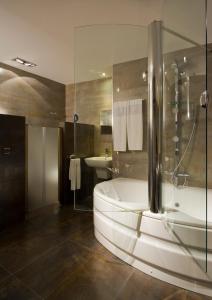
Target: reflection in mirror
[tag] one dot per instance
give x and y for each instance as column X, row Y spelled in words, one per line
column 106, row 121
column 106, row 118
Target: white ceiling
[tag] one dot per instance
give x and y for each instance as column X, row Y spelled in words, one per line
column 50, row 33
column 42, row 31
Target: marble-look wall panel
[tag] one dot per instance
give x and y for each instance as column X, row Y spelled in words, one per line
column 88, row 99
column 193, row 129
column 40, row 100
column 128, row 84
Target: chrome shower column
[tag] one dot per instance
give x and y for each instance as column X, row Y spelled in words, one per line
column 155, row 114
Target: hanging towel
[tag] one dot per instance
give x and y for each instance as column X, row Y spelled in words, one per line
column 120, row 126
column 135, row 124
column 75, row 174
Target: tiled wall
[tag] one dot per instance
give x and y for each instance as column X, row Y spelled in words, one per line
column 40, row 100
column 194, row 161
column 91, row 98
column 128, row 84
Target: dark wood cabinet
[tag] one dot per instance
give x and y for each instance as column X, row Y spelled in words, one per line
column 84, row 148
column 12, row 170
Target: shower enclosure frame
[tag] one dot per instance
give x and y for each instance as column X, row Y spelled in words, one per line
column 155, row 114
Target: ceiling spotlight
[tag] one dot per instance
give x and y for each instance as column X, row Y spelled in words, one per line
column 28, row 64
column 24, row 62
column 103, row 74
column 20, row 61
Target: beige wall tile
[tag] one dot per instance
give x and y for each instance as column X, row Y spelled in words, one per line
column 40, row 100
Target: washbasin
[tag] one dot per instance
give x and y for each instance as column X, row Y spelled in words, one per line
column 101, row 164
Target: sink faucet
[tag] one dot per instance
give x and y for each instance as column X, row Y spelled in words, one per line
column 107, row 152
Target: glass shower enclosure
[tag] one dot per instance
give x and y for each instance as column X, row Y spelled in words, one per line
column 184, row 133
column 111, row 67
column 110, row 71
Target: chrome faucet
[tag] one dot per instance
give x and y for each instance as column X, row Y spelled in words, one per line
column 114, row 171
column 107, row 152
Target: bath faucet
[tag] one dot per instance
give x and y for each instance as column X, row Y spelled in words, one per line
column 114, row 171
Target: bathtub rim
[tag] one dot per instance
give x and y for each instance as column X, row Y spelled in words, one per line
column 142, row 209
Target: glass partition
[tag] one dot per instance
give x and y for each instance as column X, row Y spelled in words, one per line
column 184, row 189
column 110, row 116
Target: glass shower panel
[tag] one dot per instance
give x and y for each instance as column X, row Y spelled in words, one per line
column 111, row 72
column 184, row 188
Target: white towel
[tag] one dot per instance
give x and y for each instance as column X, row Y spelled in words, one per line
column 135, row 124
column 75, row 174
column 120, row 126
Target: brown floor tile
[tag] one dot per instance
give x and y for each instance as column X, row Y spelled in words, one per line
column 55, row 255
column 3, row 274
column 49, row 271
column 184, row 295
column 17, row 256
column 13, row 289
column 38, row 240
column 194, row 296
column 142, row 286
column 95, row 279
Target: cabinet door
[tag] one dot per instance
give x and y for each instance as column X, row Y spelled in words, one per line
column 43, row 166
column 12, row 169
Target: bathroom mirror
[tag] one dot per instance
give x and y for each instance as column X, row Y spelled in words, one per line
column 106, row 118
column 106, row 122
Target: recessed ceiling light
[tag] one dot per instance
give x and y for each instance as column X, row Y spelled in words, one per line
column 20, row 61
column 24, row 62
column 103, row 74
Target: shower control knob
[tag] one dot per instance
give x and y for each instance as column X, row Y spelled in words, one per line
column 204, row 99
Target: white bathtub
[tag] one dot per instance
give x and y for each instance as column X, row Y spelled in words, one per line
column 169, row 246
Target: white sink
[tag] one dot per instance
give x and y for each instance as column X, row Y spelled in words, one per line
column 101, row 164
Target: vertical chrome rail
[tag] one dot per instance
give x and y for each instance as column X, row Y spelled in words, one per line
column 155, row 114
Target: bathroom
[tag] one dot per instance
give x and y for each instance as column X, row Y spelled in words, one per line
column 105, row 159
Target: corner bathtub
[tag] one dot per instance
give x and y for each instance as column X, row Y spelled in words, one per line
column 169, row 246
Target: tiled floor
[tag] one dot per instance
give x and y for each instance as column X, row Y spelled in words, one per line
column 55, row 256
